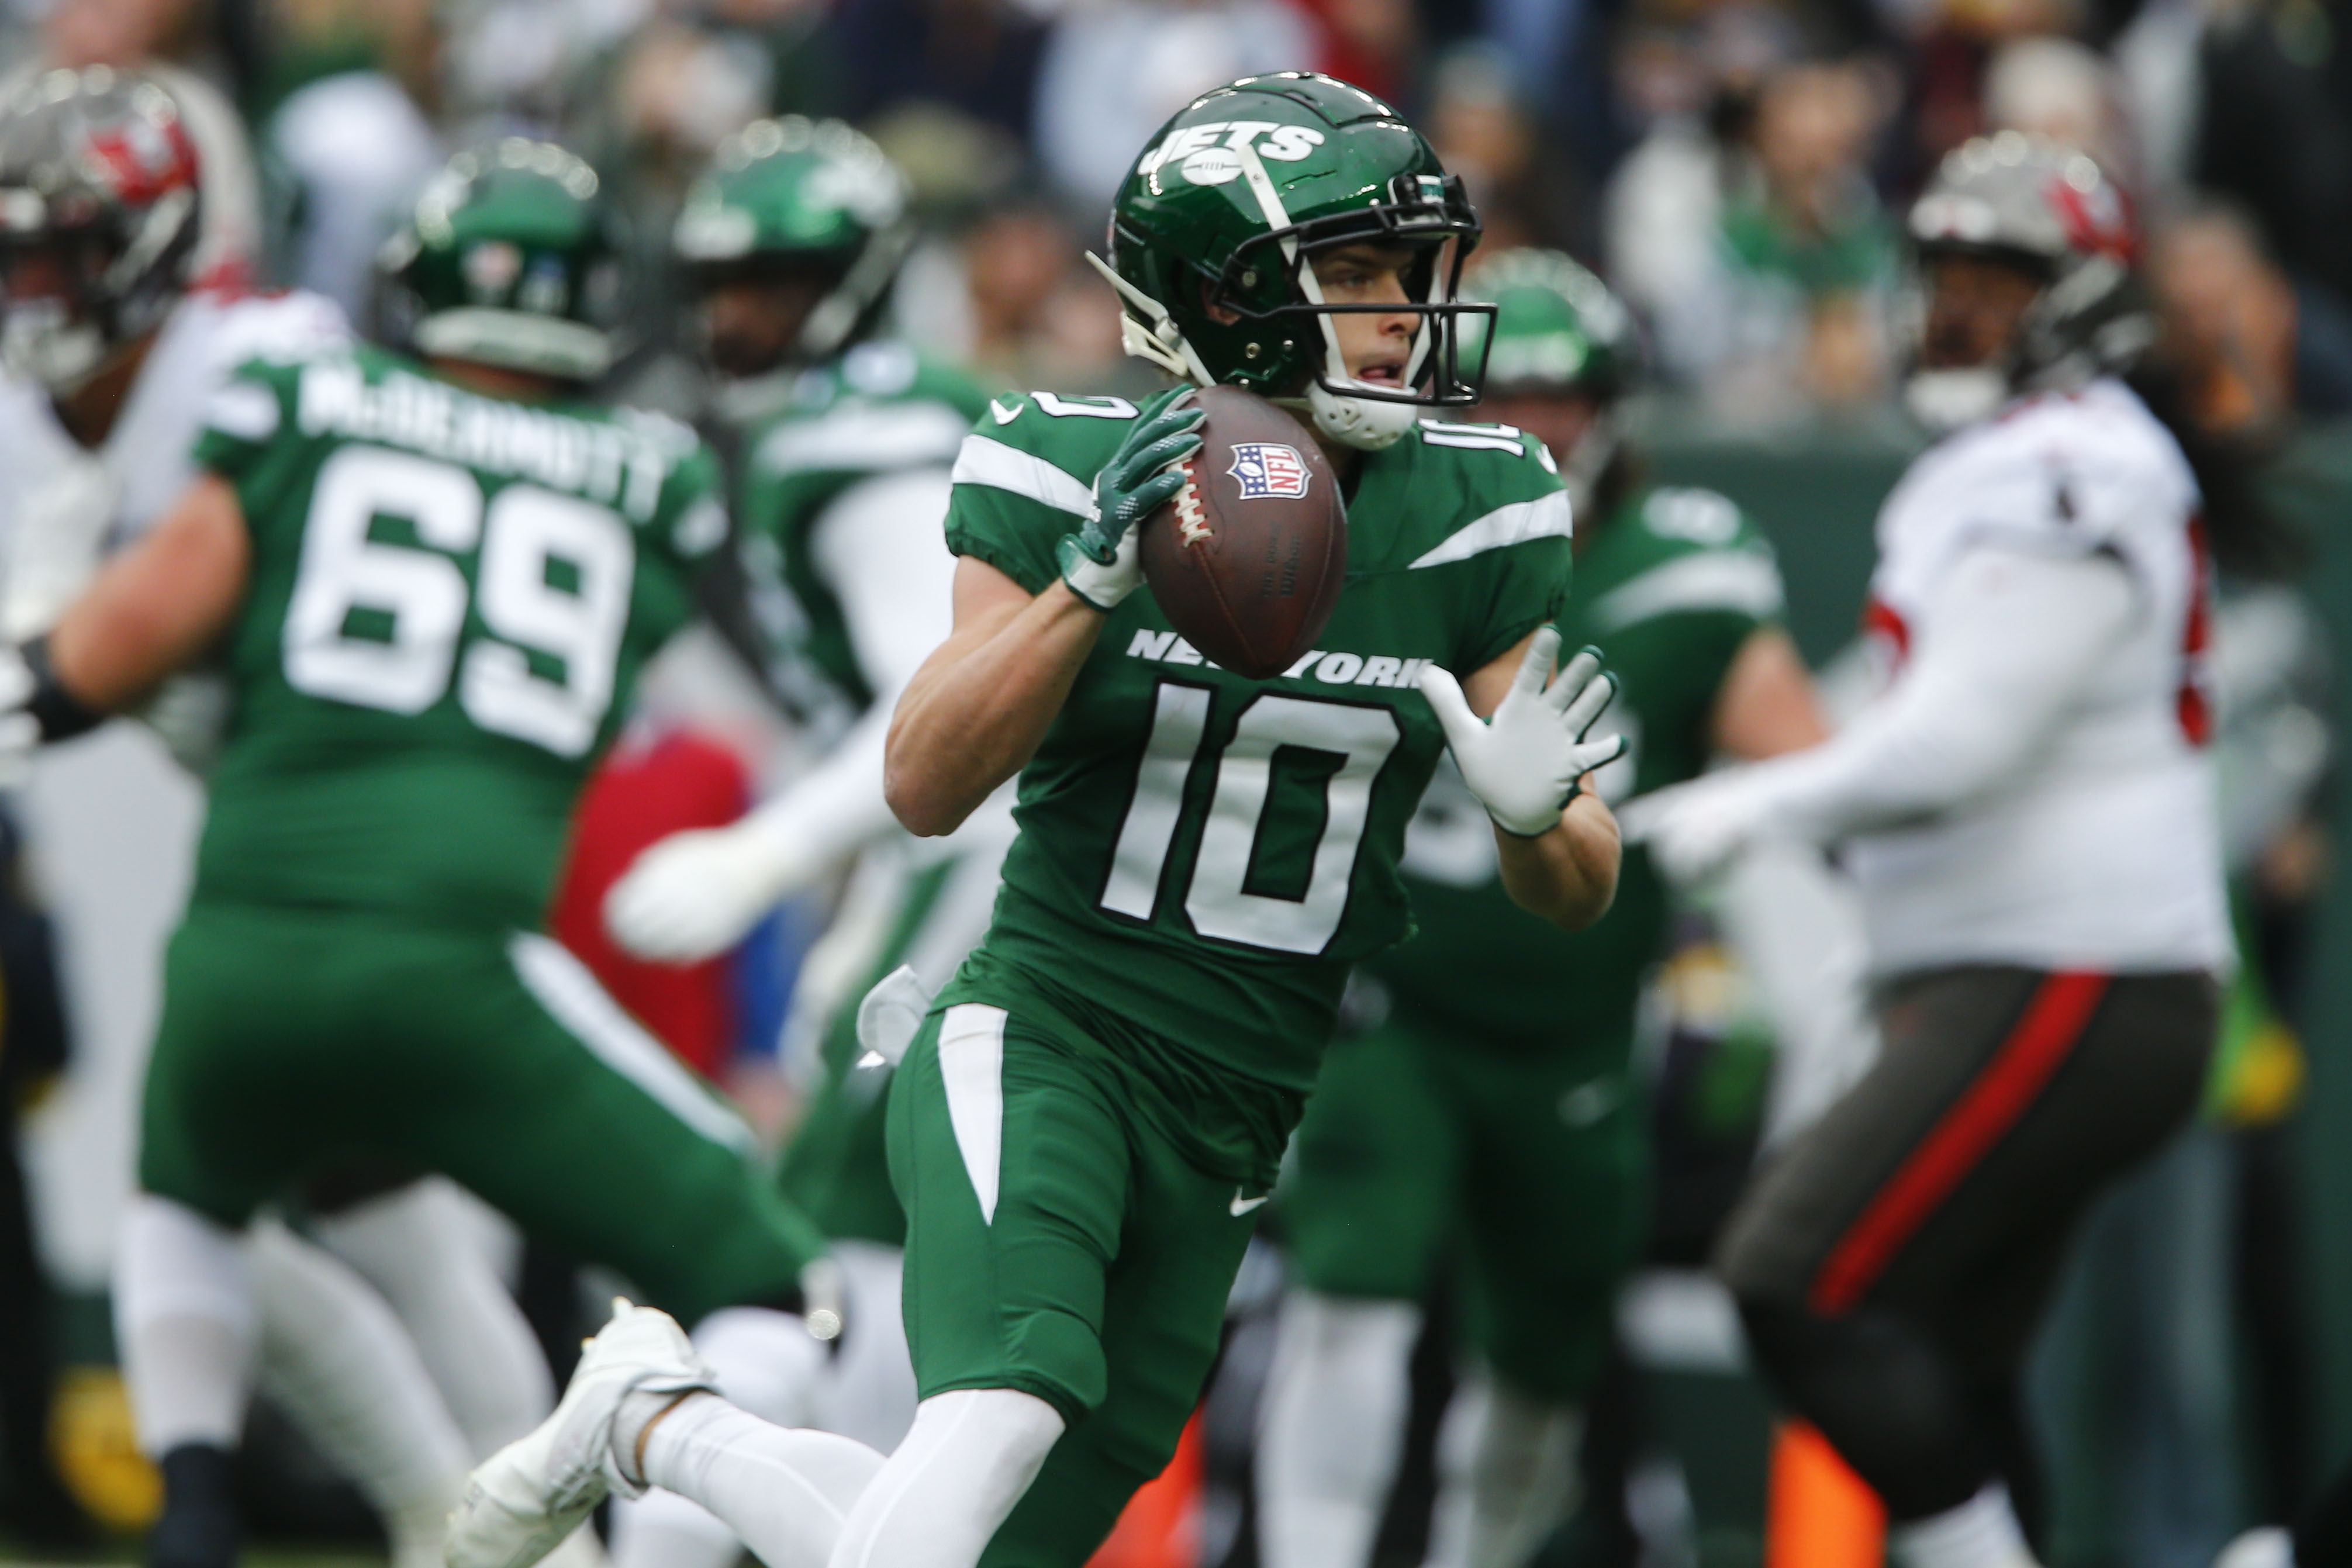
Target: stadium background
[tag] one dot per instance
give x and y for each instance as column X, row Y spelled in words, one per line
column 1737, row 167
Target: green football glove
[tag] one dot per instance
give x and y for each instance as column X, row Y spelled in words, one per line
column 1100, row 562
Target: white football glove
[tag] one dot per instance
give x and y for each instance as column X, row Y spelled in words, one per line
column 696, row 893
column 1524, row 763
column 1697, row 830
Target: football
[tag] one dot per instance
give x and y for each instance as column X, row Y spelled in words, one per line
column 1246, row 561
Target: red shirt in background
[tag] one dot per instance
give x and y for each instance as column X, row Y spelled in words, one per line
column 643, row 792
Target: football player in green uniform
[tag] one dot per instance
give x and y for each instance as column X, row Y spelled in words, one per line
column 431, row 586
column 790, row 242
column 1485, row 1117
column 1088, row 1120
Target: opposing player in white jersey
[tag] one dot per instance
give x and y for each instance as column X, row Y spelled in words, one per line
column 106, row 360
column 2028, row 809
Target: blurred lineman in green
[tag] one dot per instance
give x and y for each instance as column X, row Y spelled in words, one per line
column 1483, row 1117
column 789, row 243
column 431, row 583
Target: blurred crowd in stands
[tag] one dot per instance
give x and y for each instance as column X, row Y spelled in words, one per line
column 1738, row 167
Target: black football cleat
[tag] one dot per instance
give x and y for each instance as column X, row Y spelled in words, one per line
column 199, row 1526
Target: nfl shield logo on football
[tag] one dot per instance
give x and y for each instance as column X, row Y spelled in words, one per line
column 1268, row 468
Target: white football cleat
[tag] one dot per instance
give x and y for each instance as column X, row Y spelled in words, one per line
column 525, row 1498
column 580, row 1549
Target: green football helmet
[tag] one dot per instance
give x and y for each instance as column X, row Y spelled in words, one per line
column 796, row 193
column 1557, row 327
column 511, row 258
column 1558, row 332
column 1220, row 215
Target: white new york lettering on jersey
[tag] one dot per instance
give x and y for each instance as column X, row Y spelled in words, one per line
column 2104, row 851
column 66, row 506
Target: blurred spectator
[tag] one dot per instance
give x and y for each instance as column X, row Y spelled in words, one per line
column 978, row 57
column 2159, row 83
column 679, row 90
column 524, row 61
column 1691, row 87
column 1375, row 44
column 2275, row 129
column 1112, row 73
column 359, row 150
column 2067, row 92
column 1527, row 191
column 1957, row 43
column 1791, row 286
column 791, row 51
column 1038, row 316
column 350, row 134
column 2248, row 349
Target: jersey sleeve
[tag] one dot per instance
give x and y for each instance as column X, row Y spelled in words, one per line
column 1704, row 559
column 289, row 326
column 690, row 519
column 1019, row 488
column 1533, row 591
column 687, row 526
column 1522, row 528
column 248, row 413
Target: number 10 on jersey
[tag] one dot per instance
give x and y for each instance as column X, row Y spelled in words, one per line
column 1218, row 900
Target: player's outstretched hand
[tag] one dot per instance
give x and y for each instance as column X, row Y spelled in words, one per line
column 1523, row 764
column 1697, row 830
column 1100, row 561
column 697, row 893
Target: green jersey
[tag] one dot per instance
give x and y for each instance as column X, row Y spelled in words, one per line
column 1668, row 591
column 878, row 410
column 1202, row 856
column 450, row 597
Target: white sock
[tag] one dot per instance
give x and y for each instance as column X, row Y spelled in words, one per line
column 1982, row 1533
column 422, row 1251
column 767, row 1367
column 765, row 1361
column 338, row 1361
column 187, row 1322
column 2266, row 1546
column 1335, row 1403
column 663, row 1530
column 1507, row 1476
column 785, row 1492
column 868, row 1392
column 969, row 1456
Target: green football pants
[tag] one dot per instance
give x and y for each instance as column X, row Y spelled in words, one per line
column 296, row 1039
column 1057, row 1245
column 1422, row 1149
column 838, row 1168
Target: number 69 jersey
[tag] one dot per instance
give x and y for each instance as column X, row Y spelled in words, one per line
column 1202, row 855
column 450, row 595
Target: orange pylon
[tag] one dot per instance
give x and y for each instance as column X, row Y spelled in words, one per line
column 1161, row 1525
column 1820, row 1513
